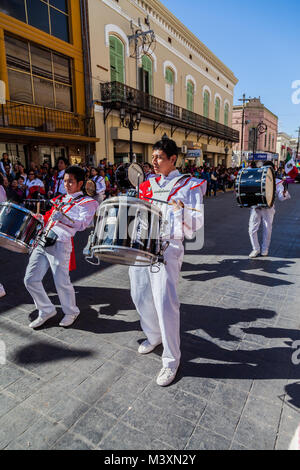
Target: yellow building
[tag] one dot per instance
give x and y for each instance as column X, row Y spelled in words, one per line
column 144, row 61
column 43, row 67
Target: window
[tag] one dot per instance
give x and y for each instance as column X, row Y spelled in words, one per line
column 116, row 48
column 169, row 78
column 50, row 16
column 146, row 74
column 226, row 114
column 206, row 98
column 217, row 109
column 37, row 75
column 15, row 8
column 190, row 96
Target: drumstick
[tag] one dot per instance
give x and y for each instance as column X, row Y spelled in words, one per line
column 170, row 204
column 60, row 209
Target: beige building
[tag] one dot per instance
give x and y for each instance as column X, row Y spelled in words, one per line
column 164, row 76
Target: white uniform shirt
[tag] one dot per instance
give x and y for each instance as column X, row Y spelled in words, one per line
column 100, row 184
column 59, row 187
column 184, row 222
column 34, row 182
column 81, row 210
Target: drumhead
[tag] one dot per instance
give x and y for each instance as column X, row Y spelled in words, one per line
column 270, row 182
column 136, row 174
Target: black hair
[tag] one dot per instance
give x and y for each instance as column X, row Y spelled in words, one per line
column 63, row 159
column 168, row 146
column 1, row 179
column 77, row 172
column 269, row 163
column 253, row 165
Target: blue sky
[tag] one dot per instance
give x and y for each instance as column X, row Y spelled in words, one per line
column 259, row 40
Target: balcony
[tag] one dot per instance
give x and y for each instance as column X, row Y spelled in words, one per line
column 115, row 95
column 31, row 118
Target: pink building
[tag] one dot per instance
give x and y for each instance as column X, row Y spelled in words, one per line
column 254, row 113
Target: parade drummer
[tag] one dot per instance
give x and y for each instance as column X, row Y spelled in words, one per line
column 264, row 215
column 154, row 293
column 55, row 249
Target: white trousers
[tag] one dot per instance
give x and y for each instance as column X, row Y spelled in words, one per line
column 258, row 216
column 56, row 257
column 155, row 298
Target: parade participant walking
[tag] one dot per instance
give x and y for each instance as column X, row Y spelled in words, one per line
column 264, row 215
column 154, row 293
column 148, row 171
column 54, row 250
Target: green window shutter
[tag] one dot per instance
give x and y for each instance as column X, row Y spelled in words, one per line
column 116, row 49
column 169, row 76
column 190, row 96
column 226, row 114
column 217, row 110
column 206, row 104
column 147, row 66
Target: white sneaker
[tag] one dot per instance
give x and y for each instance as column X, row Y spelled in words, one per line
column 68, row 320
column 145, row 347
column 166, row 376
column 254, row 254
column 264, row 253
column 2, row 291
column 41, row 319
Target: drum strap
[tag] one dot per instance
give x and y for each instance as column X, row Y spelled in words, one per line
column 165, row 193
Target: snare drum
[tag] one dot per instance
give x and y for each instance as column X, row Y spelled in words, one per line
column 255, row 187
column 127, row 232
column 18, row 227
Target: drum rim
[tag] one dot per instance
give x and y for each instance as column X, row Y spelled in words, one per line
column 16, row 206
column 15, row 240
column 109, row 248
column 134, row 200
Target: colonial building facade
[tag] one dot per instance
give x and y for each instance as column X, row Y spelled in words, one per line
column 147, row 64
column 42, row 65
column 254, row 114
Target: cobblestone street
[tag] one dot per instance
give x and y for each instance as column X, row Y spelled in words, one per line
column 86, row 387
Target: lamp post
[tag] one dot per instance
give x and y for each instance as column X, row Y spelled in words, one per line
column 131, row 121
column 244, row 100
column 261, row 128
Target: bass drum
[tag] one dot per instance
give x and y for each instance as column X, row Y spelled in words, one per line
column 18, row 227
column 127, row 232
column 255, row 187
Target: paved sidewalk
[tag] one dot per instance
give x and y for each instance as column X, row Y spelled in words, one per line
column 86, row 387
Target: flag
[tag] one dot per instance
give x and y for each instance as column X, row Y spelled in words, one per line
column 290, row 167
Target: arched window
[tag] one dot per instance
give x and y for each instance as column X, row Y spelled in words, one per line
column 116, row 49
column 169, row 78
column 146, row 74
column 190, row 90
column 217, row 109
column 226, row 114
column 206, row 98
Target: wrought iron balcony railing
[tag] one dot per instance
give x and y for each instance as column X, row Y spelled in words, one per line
column 115, row 95
column 14, row 115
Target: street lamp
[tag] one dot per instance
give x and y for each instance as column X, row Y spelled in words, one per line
column 131, row 122
column 261, row 128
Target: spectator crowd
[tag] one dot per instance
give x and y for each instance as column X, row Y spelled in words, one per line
column 43, row 181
